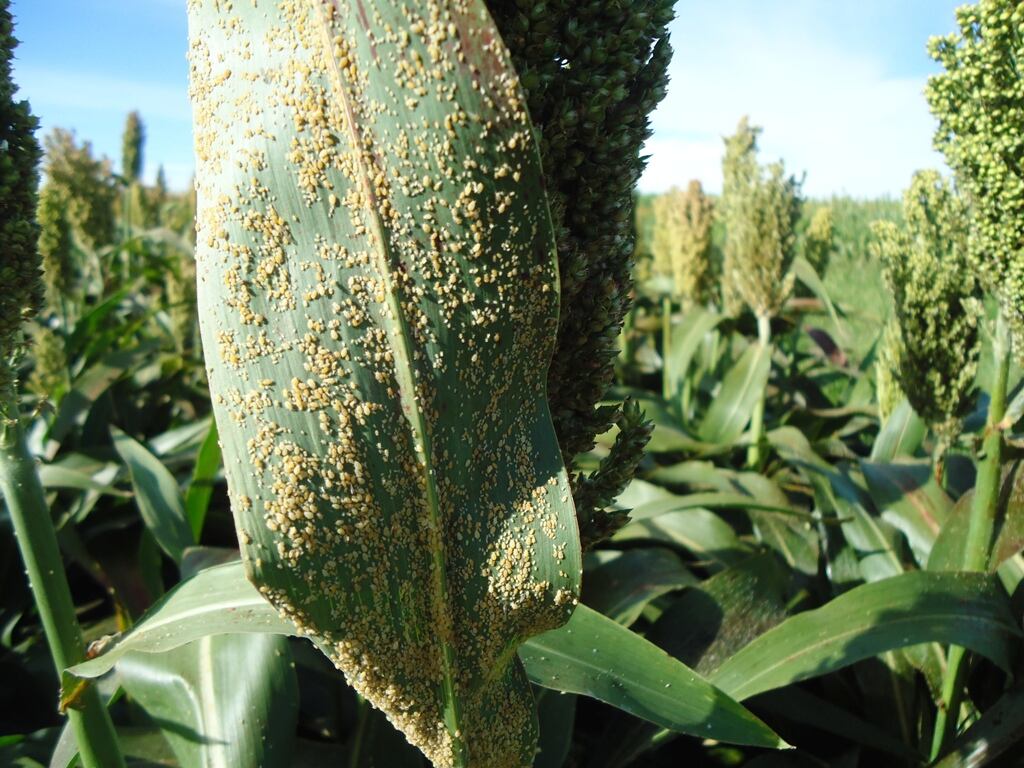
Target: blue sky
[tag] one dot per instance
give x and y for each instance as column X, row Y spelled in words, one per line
column 836, row 85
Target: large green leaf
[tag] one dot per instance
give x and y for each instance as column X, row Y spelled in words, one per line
column 222, row 701
column 218, row 600
column 595, row 656
column 378, row 305
column 591, row 655
column 965, row 609
column 742, row 388
column 703, row 627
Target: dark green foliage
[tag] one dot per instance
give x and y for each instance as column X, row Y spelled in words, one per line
column 19, row 160
column 593, row 71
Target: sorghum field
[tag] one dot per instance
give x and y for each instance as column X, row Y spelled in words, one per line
column 413, row 435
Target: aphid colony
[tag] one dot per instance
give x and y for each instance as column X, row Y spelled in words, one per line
column 378, row 345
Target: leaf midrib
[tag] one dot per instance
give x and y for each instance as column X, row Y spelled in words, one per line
column 406, row 380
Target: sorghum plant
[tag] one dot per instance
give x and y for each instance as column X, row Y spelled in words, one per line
column 682, row 241
column 131, row 148
column 932, row 280
column 19, row 301
column 979, row 102
column 817, row 240
column 760, row 208
column 85, row 185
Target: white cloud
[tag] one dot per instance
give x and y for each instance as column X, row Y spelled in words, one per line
column 826, row 110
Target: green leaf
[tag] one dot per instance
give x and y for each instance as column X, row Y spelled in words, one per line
column 722, row 500
column 702, row 627
column 157, row 494
column 625, row 670
column 379, row 306
column 594, row 656
column 794, row 539
column 712, row 621
column 187, row 439
column 222, row 701
column 699, row 531
column 901, row 435
column 218, row 600
column 805, row 272
column 88, row 386
column 873, row 540
column 1010, row 533
column 966, row 609
column 695, row 326
column 58, row 476
column 639, row 493
column 200, row 490
column 741, row 390
column 620, row 584
column 908, row 496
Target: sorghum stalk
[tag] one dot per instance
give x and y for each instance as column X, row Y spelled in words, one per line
column 37, row 540
column 666, row 348
column 977, row 549
column 760, row 207
column 978, row 100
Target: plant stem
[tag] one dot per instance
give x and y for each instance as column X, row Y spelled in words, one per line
column 754, row 453
column 37, row 540
column 666, row 348
column 984, row 508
